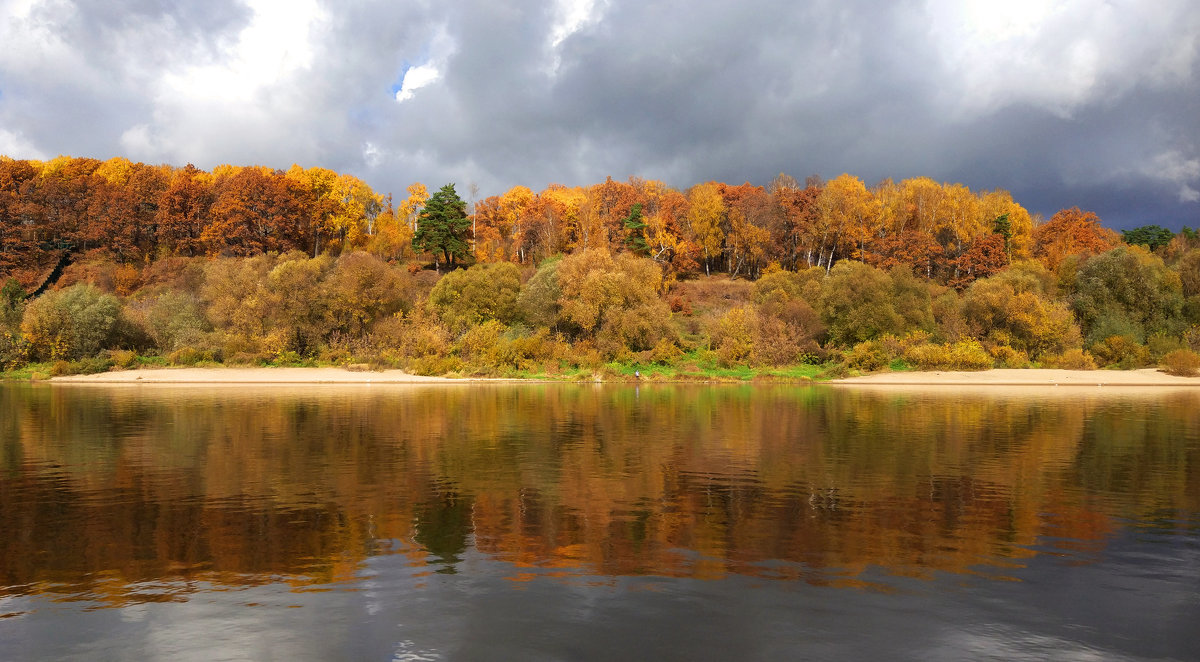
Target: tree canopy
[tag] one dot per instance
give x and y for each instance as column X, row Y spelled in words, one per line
column 443, row 226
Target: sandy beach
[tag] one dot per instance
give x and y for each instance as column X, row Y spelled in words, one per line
column 1024, row 377
column 333, row 375
column 222, row 375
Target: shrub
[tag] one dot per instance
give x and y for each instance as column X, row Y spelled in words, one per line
column 12, row 304
column 963, row 355
column 1072, row 359
column 484, row 292
column 172, row 320
column 1182, row 363
column 70, row 324
column 126, row 279
column 665, row 352
column 123, row 358
column 1004, row 356
column 1160, row 345
column 735, row 336
column 87, row 366
column 190, row 356
column 969, row 355
column 868, row 356
column 361, row 288
column 1123, row 352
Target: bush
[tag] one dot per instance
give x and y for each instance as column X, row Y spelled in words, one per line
column 664, row 353
column 964, row 355
column 734, row 339
column 1160, row 345
column 123, row 358
column 466, row 298
column 190, row 356
column 88, row 366
column 1072, row 359
column 1123, row 352
column 70, row 324
column 14, row 350
column 1004, row 356
column 173, row 320
column 868, row 356
column 1182, row 363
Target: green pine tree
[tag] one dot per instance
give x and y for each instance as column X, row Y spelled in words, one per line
column 636, row 227
column 443, row 227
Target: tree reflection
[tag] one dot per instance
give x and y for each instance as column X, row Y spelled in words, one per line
column 105, row 487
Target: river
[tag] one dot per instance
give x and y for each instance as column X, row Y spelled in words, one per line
column 590, row 522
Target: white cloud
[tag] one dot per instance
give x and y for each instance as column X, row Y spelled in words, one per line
column 416, row 78
column 16, row 146
column 1059, row 56
column 571, row 16
column 274, row 47
column 437, row 53
column 372, row 155
column 1176, row 168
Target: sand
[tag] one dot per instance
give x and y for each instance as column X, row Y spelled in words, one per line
column 1017, row 377
column 987, row 378
column 222, row 375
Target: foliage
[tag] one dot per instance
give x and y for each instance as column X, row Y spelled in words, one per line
column 1012, row 308
column 1150, row 236
column 443, row 226
column 360, row 289
column 1120, row 351
column 70, row 324
column 537, row 302
column 294, row 265
column 598, row 290
column 858, row 304
column 467, row 298
column 962, row 355
column 12, row 304
column 1072, row 359
column 1071, row 232
column 1128, row 287
column 173, row 319
column 1181, row 362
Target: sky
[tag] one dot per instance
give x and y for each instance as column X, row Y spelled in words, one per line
column 1085, row 103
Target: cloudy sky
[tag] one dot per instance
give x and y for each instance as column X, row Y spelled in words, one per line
column 1079, row 102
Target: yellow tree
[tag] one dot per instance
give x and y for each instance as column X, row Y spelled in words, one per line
column 706, row 213
column 664, row 236
column 116, row 171
column 567, row 204
column 411, row 207
column 513, row 205
column 998, row 204
column 921, row 196
column 358, row 207
column 958, row 221
column 746, row 242
column 847, row 214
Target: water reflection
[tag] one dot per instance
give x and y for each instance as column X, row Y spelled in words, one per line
column 125, row 495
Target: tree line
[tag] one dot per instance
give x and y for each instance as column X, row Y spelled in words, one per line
column 251, row 264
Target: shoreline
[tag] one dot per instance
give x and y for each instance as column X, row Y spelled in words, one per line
column 1007, row 377
column 999, row 377
column 221, row 375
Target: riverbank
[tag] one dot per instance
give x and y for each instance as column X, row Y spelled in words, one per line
column 223, row 375
column 1023, row 377
column 337, row 375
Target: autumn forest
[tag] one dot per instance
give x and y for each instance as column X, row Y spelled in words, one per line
column 114, row 264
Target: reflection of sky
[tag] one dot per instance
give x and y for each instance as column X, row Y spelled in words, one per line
column 1137, row 600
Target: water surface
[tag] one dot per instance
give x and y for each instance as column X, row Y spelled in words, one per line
column 562, row 522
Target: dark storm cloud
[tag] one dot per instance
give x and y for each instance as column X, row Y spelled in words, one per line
column 1078, row 103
